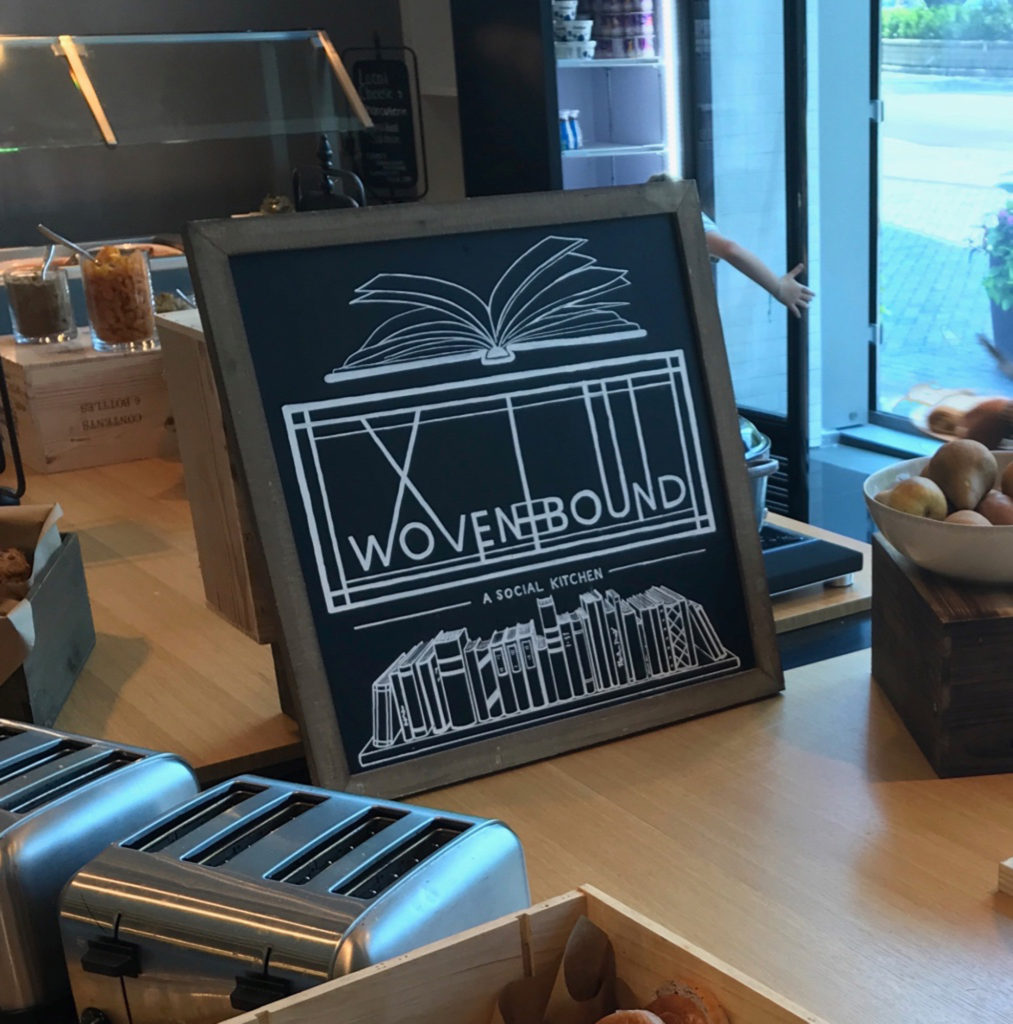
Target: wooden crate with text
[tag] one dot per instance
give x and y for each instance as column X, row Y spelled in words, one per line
column 232, row 564
column 75, row 407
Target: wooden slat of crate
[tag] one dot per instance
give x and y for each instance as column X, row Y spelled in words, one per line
column 458, row 979
column 648, row 955
column 454, row 980
column 231, row 559
column 75, row 407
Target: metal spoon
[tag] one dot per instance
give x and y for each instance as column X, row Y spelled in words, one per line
column 60, row 240
column 186, row 298
column 50, row 253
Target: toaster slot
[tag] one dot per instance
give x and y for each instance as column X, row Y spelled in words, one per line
column 319, row 857
column 37, row 757
column 196, row 814
column 35, row 796
column 253, row 829
column 382, row 873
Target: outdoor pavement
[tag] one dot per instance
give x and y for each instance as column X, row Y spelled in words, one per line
column 944, row 149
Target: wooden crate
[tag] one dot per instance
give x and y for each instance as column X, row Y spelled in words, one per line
column 64, row 637
column 75, row 407
column 232, row 565
column 459, row 979
column 941, row 651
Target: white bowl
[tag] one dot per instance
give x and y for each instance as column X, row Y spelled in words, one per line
column 978, row 554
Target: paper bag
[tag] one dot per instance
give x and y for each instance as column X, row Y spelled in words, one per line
column 33, row 530
column 581, row 991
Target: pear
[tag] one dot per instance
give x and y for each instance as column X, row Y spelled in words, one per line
column 916, row 495
column 1007, row 480
column 967, row 517
column 997, row 508
column 965, row 470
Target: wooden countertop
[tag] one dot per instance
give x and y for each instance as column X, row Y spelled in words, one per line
column 167, row 672
column 803, row 839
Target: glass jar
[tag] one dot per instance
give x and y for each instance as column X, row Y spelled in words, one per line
column 121, row 305
column 41, row 313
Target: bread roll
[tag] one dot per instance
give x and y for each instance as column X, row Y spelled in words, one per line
column 989, row 422
column 14, row 573
column 682, row 1003
column 944, row 419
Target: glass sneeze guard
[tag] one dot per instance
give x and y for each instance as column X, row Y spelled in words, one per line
column 62, row 91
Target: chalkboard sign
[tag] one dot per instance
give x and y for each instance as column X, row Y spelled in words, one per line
column 388, row 161
column 494, row 459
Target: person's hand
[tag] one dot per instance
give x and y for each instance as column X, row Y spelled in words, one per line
column 795, row 295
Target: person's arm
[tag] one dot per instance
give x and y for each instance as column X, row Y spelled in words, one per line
column 786, row 289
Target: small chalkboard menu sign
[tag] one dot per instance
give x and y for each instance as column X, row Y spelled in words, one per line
column 494, row 460
column 388, row 162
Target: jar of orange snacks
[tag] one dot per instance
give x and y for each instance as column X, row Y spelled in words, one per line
column 118, row 294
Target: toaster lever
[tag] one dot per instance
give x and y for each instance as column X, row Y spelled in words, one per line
column 115, row 958
column 255, row 990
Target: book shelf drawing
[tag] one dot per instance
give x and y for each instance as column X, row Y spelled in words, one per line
column 451, row 686
column 642, row 476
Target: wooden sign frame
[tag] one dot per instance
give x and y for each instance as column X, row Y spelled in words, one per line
column 326, row 688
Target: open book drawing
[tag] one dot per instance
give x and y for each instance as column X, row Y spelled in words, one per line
column 551, row 295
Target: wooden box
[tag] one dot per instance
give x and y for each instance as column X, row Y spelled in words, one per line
column 232, row 563
column 459, row 979
column 64, row 637
column 75, row 407
column 942, row 651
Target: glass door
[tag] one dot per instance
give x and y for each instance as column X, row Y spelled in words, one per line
column 750, row 146
column 945, row 196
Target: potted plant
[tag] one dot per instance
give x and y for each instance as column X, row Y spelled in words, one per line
column 998, row 245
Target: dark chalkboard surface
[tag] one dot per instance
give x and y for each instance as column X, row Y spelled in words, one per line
column 494, row 459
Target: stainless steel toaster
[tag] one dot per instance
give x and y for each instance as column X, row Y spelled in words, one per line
column 257, row 889
column 62, row 799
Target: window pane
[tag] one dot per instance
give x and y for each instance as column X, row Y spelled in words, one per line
column 946, row 149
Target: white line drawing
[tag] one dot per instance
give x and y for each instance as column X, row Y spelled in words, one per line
column 452, row 688
column 640, row 465
column 413, row 615
column 550, row 295
column 636, row 471
column 655, row 561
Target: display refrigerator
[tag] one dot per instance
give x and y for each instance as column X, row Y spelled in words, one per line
column 616, row 64
column 567, row 93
